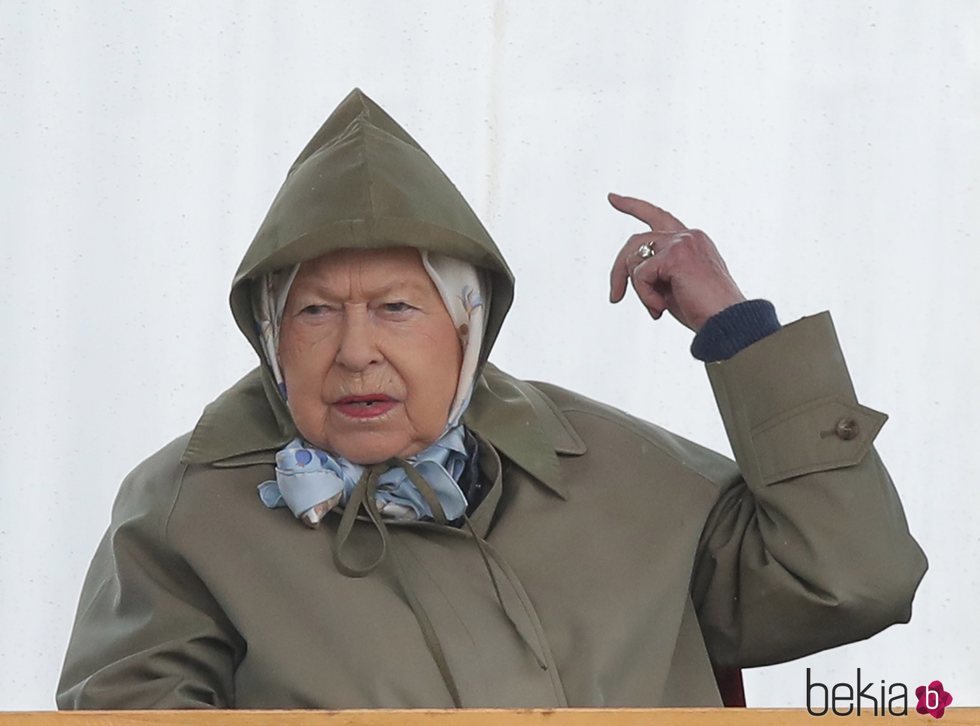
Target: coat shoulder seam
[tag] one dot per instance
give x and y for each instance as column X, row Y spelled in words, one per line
column 645, row 430
column 178, row 489
column 646, row 436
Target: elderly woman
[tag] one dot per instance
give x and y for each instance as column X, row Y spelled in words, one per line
column 472, row 539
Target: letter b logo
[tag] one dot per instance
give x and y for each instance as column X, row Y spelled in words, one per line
column 933, row 699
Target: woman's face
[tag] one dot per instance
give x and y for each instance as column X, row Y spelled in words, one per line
column 369, row 354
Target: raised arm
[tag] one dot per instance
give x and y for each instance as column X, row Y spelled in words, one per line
column 809, row 547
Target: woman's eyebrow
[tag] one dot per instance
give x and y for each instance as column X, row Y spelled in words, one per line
column 331, row 292
column 400, row 286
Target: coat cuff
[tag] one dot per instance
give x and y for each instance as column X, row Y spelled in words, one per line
column 789, row 406
column 733, row 329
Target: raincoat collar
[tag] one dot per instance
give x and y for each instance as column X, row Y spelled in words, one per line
column 240, row 429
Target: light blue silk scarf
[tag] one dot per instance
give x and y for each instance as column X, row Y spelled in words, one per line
column 306, row 477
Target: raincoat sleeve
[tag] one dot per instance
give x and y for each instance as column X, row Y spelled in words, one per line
column 808, row 547
column 147, row 633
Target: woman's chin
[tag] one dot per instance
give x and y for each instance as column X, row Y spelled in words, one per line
column 366, row 450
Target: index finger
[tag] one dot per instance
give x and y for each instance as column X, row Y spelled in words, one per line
column 658, row 219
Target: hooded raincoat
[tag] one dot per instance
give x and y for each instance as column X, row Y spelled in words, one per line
column 629, row 560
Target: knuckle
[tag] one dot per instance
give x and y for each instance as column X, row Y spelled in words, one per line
column 673, row 252
column 646, row 268
column 683, row 239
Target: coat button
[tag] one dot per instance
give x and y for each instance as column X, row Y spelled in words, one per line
column 846, row 429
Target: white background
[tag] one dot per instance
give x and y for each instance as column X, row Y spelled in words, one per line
column 829, row 148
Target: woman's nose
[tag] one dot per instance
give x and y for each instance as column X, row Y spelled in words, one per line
column 358, row 343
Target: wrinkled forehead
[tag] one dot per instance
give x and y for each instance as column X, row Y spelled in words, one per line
column 348, row 272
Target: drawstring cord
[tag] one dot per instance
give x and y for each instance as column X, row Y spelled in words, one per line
column 363, row 495
column 535, row 650
column 430, row 496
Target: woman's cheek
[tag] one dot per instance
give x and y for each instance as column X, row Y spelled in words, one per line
column 308, row 349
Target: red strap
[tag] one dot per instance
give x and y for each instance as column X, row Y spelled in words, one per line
column 730, row 685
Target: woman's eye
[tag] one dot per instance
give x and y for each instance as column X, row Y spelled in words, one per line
column 397, row 307
column 315, row 310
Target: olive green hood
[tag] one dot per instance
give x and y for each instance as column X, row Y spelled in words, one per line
column 362, row 181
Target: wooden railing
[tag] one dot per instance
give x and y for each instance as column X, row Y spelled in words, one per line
column 476, row 717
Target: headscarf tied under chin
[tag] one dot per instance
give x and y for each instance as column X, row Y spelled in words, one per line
column 311, row 482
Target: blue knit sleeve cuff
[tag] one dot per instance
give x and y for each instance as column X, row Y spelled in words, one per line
column 734, row 328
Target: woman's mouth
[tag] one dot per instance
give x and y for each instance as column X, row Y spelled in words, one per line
column 368, row 406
